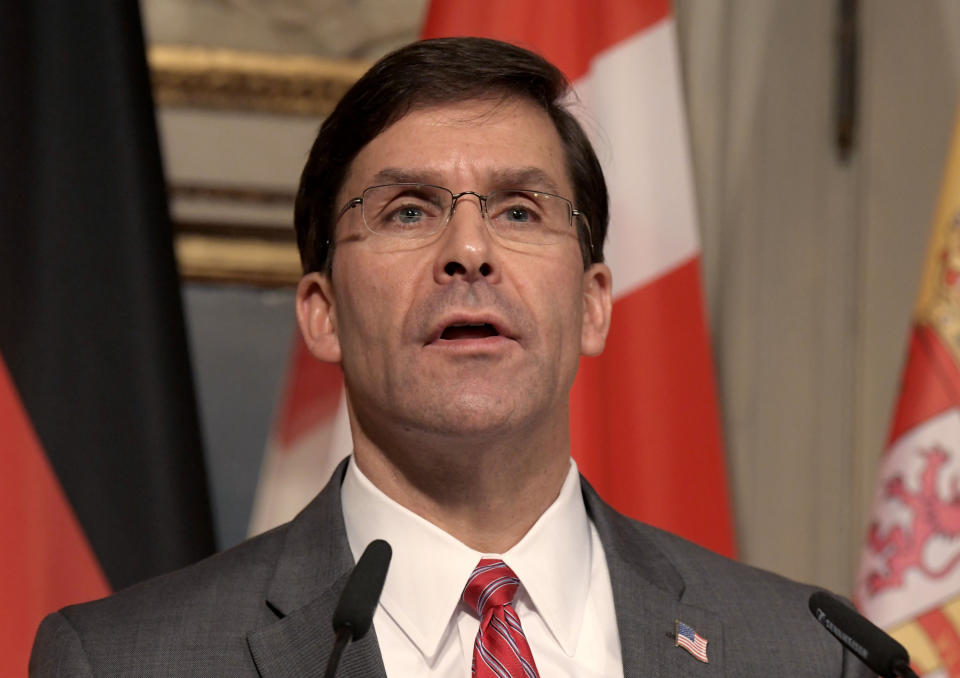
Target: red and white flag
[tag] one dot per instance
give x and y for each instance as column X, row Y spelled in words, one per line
column 311, row 434
column 909, row 581
column 645, row 424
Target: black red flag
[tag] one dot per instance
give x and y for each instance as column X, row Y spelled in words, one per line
column 102, row 480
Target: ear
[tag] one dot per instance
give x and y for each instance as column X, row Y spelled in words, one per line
column 597, row 307
column 316, row 315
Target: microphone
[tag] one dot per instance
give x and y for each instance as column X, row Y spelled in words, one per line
column 354, row 613
column 870, row 643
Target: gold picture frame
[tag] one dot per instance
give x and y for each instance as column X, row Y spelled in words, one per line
column 201, row 77
column 224, row 250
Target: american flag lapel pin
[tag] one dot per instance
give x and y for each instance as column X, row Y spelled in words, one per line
column 691, row 641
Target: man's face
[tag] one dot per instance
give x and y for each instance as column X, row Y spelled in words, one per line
column 462, row 332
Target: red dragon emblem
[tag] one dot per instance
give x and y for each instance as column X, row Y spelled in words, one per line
column 902, row 547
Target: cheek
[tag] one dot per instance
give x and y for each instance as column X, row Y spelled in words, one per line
column 371, row 305
column 559, row 310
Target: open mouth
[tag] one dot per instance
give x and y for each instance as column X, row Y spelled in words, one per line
column 469, row 331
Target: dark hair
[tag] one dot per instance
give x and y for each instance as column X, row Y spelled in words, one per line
column 429, row 73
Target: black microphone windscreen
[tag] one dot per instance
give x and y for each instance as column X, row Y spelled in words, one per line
column 360, row 595
column 869, row 642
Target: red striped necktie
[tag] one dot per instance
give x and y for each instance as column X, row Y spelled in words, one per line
column 501, row 649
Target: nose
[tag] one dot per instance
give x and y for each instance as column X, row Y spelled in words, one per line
column 467, row 251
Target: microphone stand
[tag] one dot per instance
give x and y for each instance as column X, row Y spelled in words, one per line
column 344, row 634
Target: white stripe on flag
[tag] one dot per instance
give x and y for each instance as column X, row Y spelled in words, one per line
column 291, row 477
column 632, row 93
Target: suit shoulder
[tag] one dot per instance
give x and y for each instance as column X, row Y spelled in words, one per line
column 196, row 621
column 214, row 603
column 57, row 650
column 746, row 602
column 704, row 569
column 235, row 573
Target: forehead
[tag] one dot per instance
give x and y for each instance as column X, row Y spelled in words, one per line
column 469, row 145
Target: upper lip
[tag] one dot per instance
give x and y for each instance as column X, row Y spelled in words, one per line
column 470, row 318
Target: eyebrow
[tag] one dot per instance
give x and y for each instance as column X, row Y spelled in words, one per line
column 532, row 178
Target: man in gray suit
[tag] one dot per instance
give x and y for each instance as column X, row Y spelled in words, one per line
column 451, row 219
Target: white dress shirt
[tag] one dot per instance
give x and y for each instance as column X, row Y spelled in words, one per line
column 565, row 601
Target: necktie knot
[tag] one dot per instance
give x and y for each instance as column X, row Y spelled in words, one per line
column 500, row 650
column 491, row 585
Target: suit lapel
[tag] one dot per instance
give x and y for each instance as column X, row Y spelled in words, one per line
column 300, row 643
column 311, row 571
column 647, row 593
column 315, row 562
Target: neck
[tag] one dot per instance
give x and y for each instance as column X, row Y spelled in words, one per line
column 486, row 494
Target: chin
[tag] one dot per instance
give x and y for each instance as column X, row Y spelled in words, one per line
column 471, row 414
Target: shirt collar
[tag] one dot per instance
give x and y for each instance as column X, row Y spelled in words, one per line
column 552, row 561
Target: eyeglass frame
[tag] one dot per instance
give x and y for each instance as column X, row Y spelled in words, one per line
column 454, row 197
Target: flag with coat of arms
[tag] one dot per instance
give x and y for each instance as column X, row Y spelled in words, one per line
column 909, row 579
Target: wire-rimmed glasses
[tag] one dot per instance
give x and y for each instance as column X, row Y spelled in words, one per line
column 409, row 210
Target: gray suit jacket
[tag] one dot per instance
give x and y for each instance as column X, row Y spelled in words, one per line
column 264, row 608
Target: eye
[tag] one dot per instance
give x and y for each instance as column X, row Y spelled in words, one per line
column 409, row 211
column 402, row 209
column 407, row 214
column 517, row 214
column 515, row 208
